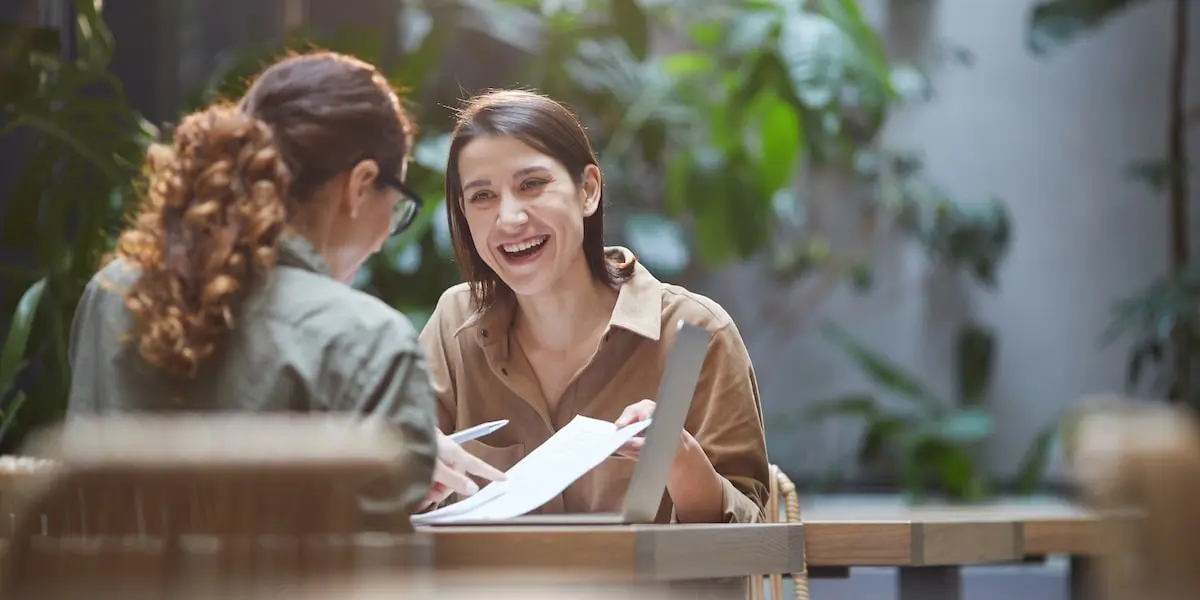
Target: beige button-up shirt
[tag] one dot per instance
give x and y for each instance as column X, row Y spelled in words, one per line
column 480, row 376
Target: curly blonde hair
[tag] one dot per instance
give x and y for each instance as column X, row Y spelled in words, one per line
column 211, row 218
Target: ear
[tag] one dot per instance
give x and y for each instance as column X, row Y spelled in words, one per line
column 591, row 186
column 359, row 183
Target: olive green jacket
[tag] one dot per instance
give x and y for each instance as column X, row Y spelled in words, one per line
column 301, row 341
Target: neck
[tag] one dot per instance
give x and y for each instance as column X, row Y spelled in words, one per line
column 316, row 230
column 572, row 313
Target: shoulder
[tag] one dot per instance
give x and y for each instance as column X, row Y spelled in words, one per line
column 114, row 277
column 698, row 309
column 455, row 308
column 322, row 309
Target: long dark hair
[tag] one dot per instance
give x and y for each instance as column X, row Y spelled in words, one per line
column 548, row 127
column 220, row 194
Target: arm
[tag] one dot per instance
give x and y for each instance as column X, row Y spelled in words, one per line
column 723, row 475
column 387, row 378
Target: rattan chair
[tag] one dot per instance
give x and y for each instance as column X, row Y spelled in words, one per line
column 782, row 490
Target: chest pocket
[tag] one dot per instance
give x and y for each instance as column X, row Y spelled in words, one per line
column 501, row 457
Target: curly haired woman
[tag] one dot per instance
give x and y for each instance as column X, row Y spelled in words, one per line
column 228, row 291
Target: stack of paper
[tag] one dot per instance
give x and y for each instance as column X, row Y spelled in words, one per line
column 542, row 475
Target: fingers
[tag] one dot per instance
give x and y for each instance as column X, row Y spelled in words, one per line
column 632, row 448
column 437, row 493
column 453, row 480
column 476, row 466
column 460, row 460
column 638, row 411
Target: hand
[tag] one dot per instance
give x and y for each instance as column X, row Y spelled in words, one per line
column 453, row 466
column 693, row 484
column 641, row 411
column 634, row 413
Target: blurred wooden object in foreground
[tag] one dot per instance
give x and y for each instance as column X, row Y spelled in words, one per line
column 1144, row 457
column 155, row 506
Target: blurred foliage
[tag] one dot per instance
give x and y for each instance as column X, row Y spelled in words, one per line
column 85, row 146
column 929, row 440
column 1161, row 319
column 702, row 147
column 708, row 117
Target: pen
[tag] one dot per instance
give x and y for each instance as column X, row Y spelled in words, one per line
column 476, row 432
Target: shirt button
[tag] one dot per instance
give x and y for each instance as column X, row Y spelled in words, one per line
column 504, row 370
column 483, row 332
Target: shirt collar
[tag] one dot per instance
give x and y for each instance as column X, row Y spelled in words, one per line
column 638, row 308
column 295, row 251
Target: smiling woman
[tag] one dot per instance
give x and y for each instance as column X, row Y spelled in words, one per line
column 551, row 324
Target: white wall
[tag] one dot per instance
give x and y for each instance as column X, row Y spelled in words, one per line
column 1049, row 137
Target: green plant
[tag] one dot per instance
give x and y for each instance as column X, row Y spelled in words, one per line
column 85, row 146
column 701, row 146
column 930, row 440
column 1162, row 317
column 767, row 92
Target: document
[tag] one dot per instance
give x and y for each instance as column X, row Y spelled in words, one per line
column 568, row 455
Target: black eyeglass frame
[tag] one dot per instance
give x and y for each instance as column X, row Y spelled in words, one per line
column 409, row 206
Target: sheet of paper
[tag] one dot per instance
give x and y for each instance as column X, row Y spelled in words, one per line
column 568, row 455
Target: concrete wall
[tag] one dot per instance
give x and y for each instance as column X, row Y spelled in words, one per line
column 1051, row 139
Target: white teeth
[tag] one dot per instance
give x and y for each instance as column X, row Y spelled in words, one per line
column 514, row 248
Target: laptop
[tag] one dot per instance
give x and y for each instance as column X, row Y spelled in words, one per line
column 649, row 479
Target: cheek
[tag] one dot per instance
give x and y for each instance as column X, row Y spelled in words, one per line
column 477, row 226
column 379, row 219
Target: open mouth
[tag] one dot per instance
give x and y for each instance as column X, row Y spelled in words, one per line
column 525, row 249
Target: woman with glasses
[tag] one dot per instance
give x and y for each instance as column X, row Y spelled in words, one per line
column 228, row 292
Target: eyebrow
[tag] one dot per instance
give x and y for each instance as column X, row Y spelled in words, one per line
column 519, row 173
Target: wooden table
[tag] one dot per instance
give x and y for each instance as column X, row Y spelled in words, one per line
column 930, row 543
column 622, row 552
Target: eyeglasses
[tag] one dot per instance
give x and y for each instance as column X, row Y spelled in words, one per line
column 407, row 208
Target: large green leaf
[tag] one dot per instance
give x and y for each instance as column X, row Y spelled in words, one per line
column 1054, row 23
column 780, row 142
column 632, row 24
column 816, row 53
column 94, row 41
column 883, row 371
column 866, row 42
column 17, row 340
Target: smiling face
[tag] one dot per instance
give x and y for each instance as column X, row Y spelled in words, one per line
column 525, row 212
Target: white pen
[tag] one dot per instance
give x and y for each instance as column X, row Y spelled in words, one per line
column 476, row 432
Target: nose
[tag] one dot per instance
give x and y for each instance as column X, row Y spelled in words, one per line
column 512, row 212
